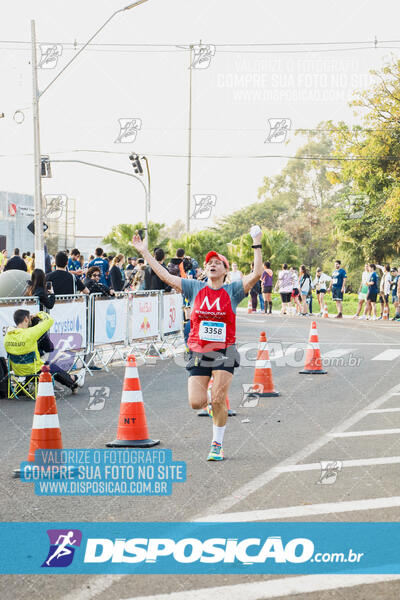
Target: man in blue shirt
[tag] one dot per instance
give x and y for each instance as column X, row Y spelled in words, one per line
column 373, row 291
column 102, row 263
column 337, row 285
column 74, row 264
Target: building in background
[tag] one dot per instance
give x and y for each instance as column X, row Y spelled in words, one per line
column 17, row 212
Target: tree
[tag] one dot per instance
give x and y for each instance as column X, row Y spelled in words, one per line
column 177, row 229
column 277, row 247
column 120, row 237
column 368, row 221
column 197, row 244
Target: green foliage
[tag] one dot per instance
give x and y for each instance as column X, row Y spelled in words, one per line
column 197, row 244
column 277, row 247
column 120, row 237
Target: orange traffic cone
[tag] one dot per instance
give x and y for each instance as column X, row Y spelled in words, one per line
column 263, row 372
column 313, row 363
column 205, row 413
column 325, row 314
column 132, row 425
column 249, row 306
column 385, row 315
column 46, row 433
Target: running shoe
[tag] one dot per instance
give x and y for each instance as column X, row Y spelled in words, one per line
column 362, row 318
column 216, row 452
column 80, row 379
column 209, row 410
column 376, row 318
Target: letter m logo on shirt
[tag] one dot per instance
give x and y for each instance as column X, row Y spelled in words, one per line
column 210, row 306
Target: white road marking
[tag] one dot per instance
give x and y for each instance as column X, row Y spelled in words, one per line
column 275, row 588
column 389, row 354
column 361, row 462
column 338, row 353
column 307, row 510
column 261, row 480
column 363, row 433
column 384, row 410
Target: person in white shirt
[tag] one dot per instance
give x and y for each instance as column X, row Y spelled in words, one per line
column 320, row 284
column 235, row 274
column 285, row 286
column 295, row 297
column 384, row 288
column 363, row 291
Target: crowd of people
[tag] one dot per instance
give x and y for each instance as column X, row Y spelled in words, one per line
column 70, row 273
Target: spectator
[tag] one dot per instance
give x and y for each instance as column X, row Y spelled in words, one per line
column 21, row 344
column 151, row 280
column 102, row 263
column 138, row 279
column 320, row 284
column 295, row 296
column 305, row 289
column 176, row 266
column 384, row 288
column 64, row 283
column 3, row 260
column 132, row 260
column 38, row 286
column 372, row 294
column 29, row 262
column 74, row 264
column 395, row 297
column 116, row 273
column 92, row 282
column 338, row 287
column 285, row 286
column 362, row 291
column 16, row 262
column 235, row 274
column 267, row 283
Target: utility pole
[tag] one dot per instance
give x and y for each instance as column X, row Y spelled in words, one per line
column 189, row 183
column 38, row 202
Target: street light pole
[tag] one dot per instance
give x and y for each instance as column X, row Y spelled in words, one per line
column 189, row 183
column 38, row 203
column 36, row 95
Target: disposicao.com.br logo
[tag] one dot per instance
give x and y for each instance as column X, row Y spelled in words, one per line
column 62, row 547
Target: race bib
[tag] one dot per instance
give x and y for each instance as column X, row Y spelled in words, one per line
column 212, row 331
column 334, row 281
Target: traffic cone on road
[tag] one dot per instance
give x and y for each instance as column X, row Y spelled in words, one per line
column 249, row 306
column 385, row 315
column 132, row 425
column 325, row 313
column 205, row 413
column 263, row 372
column 46, row 432
column 313, row 362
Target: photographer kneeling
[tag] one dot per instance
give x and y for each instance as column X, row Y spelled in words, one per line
column 21, row 345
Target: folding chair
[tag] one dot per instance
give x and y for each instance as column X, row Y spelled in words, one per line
column 21, row 385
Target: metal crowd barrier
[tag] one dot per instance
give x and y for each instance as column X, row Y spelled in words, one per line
column 96, row 328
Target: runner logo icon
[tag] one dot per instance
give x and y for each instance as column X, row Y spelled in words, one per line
column 62, row 547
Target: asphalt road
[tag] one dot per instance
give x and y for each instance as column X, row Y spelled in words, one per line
column 272, row 467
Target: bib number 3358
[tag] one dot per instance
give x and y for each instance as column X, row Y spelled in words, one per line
column 212, row 331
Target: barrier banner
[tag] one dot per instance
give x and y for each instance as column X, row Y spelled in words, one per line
column 69, row 329
column 6, row 320
column 110, row 317
column 144, row 317
column 172, row 313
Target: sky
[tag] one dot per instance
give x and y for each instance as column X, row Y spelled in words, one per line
column 139, row 69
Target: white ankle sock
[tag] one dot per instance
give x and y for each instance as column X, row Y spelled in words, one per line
column 218, row 434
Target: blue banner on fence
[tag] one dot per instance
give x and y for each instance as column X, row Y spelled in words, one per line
column 208, row 548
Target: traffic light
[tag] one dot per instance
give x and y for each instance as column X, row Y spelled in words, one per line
column 135, row 160
column 45, row 167
column 31, row 227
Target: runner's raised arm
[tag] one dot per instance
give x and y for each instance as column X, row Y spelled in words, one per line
column 172, row 280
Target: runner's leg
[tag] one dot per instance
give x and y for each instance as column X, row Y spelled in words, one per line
column 197, row 389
